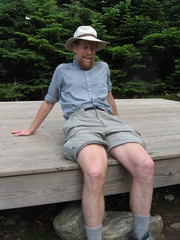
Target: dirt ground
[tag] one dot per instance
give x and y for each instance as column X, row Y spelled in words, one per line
column 36, row 223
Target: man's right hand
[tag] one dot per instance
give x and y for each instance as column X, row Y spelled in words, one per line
column 25, row 132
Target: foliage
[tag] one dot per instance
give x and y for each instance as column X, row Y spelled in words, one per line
column 143, row 44
column 135, row 89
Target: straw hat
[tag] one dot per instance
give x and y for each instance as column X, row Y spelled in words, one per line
column 85, row 33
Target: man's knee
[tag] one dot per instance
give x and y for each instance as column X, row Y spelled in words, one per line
column 94, row 180
column 145, row 169
column 149, row 169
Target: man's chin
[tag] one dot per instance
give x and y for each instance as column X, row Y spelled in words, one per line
column 86, row 66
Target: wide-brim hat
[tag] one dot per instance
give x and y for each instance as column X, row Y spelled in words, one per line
column 85, row 33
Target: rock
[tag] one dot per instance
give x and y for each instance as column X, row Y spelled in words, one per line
column 169, row 197
column 175, row 226
column 117, row 225
column 155, row 226
column 69, row 224
column 10, row 221
column 161, row 237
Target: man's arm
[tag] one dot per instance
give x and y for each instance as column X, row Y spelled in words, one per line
column 44, row 109
column 112, row 103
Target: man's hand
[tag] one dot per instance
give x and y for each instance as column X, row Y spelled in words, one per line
column 25, row 132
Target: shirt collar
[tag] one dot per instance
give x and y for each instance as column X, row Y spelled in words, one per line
column 75, row 64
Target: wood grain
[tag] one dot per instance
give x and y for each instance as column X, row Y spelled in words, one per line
column 33, row 170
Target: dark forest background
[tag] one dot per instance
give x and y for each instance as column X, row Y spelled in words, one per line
column 143, row 44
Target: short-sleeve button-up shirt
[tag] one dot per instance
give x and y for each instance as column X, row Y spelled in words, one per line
column 77, row 88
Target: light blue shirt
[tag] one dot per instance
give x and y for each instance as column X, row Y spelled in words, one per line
column 77, row 88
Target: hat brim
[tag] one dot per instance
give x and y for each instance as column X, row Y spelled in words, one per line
column 100, row 44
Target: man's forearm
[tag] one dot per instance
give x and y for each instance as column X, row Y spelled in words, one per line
column 112, row 103
column 44, row 109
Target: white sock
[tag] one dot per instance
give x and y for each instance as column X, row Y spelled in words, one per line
column 141, row 224
column 94, row 233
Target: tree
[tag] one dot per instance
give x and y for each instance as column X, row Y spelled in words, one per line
column 142, row 49
column 31, row 43
column 164, row 49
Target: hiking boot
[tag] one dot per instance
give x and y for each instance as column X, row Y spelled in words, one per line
column 147, row 236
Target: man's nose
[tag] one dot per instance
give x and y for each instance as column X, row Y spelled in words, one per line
column 89, row 50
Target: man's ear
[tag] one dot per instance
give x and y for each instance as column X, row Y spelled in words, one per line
column 74, row 46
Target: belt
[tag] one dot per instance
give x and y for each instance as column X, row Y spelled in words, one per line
column 93, row 108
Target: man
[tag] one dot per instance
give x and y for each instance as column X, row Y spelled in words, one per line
column 94, row 129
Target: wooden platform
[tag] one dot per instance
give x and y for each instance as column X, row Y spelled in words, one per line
column 33, row 170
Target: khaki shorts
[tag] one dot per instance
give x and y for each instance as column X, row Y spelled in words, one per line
column 96, row 126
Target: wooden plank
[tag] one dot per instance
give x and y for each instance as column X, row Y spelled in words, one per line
column 49, row 138
column 33, row 170
column 38, row 189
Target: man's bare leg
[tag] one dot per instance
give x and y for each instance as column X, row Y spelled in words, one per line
column 93, row 162
column 135, row 159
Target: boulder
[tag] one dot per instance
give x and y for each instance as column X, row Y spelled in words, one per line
column 69, row 224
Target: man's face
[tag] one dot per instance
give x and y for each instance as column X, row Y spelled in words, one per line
column 85, row 52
